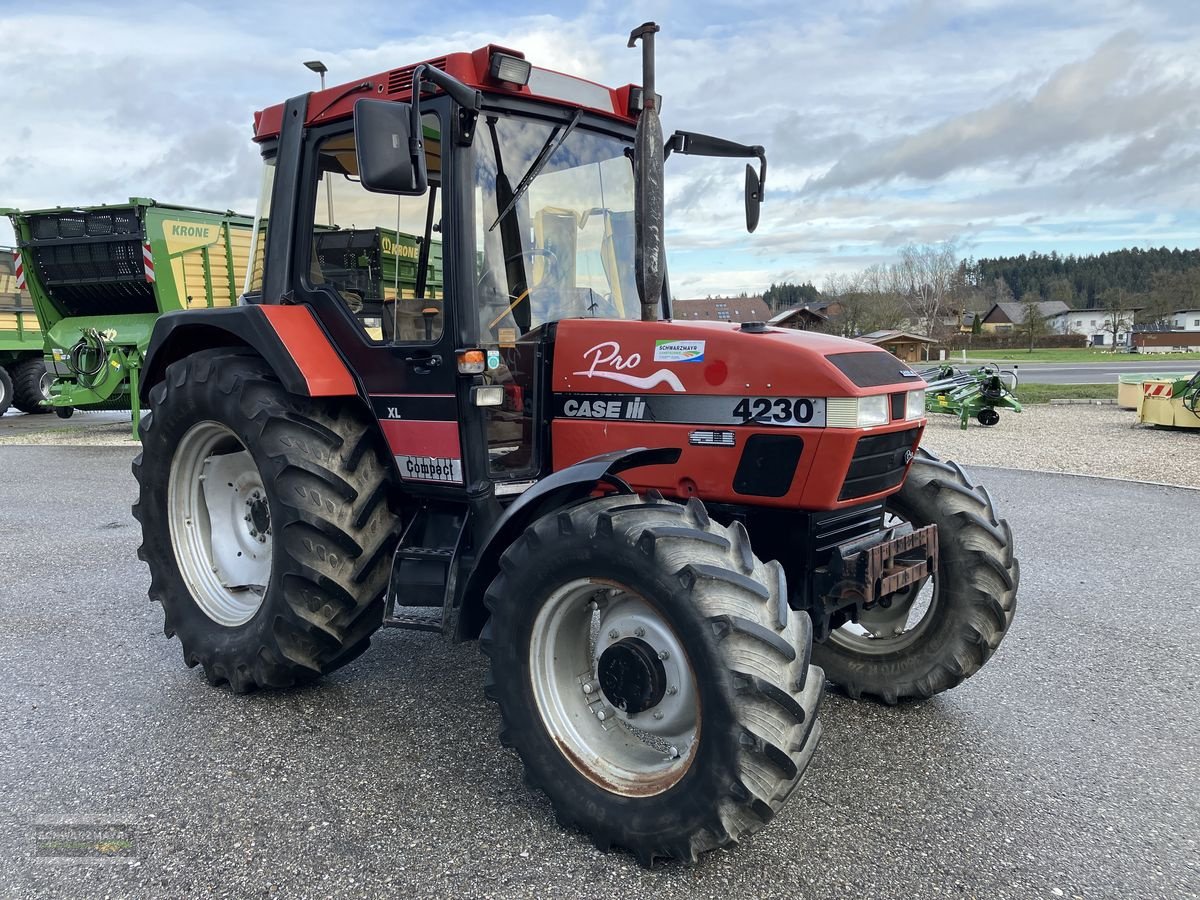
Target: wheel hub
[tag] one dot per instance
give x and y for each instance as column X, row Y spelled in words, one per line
column 258, row 516
column 614, row 687
column 220, row 523
column 632, row 676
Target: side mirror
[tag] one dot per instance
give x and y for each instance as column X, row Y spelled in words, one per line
column 390, row 159
column 753, row 198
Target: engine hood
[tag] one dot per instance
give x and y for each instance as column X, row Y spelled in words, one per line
column 606, row 356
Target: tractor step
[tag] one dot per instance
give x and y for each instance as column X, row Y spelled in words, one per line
column 421, row 568
column 416, row 619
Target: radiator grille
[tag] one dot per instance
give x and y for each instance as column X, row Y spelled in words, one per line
column 879, row 463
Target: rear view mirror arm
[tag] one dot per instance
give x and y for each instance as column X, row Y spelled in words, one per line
column 689, row 143
column 467, row 98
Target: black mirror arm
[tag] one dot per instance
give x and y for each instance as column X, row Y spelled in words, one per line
column 467, row 98
column 689, row 143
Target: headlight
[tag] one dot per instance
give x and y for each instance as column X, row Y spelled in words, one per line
column 873, row 410
column 914, row 404
column 856, row 412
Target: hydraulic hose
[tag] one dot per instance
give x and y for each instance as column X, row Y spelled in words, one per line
column 81, row 360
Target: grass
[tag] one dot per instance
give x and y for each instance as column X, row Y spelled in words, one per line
column 1083, row 354
column 1033, row 392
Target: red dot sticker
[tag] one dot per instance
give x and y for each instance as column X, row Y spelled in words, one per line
column 716, row 372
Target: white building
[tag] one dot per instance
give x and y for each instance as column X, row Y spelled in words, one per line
column 1185, row 320
column 1095, row 324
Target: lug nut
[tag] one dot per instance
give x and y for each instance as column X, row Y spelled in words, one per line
column 588, row 687
column 639, row 631
column 663, row 654
column 657, row 714
column 601, row 715
column 672, row 690
column 614, row 634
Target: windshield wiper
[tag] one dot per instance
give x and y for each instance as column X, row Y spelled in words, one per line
column 552, row 144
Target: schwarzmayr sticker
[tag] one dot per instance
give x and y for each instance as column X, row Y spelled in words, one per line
column 679, row 351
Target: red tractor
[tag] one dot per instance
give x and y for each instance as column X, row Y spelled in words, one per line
column 645, row 523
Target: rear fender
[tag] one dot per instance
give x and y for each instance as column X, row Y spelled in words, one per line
column 561, row 489
column 289, row 338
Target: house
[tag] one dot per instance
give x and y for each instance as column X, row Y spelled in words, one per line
column 1009, row 316
column 950, row 321
column 1185, row 320
column 1094, row 324
column 1165, row 338
column 902, row 344
column 722, row 309
column 801, row 318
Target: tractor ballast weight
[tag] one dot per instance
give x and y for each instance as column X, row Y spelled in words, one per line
column 644, row 522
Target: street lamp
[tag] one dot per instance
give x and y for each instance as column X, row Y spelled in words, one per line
column 315, row 65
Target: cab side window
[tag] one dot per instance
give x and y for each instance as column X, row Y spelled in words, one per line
column 369, row 248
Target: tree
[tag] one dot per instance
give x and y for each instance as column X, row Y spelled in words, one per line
column 1034, row 321
column 1060, row 288
column 1001, row 292
column 1118, row 313
column 928, row 272
column 786, row 295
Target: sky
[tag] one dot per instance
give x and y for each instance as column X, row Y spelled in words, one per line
column 1010, row 127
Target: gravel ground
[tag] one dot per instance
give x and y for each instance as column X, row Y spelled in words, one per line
column 1084, row 439
column 1061, row 770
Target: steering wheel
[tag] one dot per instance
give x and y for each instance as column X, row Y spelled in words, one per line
column 516, row 299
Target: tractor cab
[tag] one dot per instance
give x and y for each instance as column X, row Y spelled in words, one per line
column 522, row 216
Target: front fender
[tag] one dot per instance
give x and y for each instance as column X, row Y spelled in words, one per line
column 563, row 488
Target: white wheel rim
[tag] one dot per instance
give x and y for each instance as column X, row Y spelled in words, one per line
column 44, row 383
column 220, row 524
column 639, row 754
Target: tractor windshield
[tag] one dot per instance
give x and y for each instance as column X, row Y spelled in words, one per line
column 554, row 225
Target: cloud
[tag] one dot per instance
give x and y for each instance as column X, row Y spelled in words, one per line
column 1111, row 94
column 1009, row 123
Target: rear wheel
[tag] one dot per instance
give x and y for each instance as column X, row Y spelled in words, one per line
column 6, row 390
column 265, row 522
column 651, row 675
column 31, row 385
column 988, row 417
column 942, row 630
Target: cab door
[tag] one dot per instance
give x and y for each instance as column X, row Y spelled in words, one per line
column 375, row 275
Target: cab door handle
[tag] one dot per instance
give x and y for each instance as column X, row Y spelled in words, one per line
column 425, row 364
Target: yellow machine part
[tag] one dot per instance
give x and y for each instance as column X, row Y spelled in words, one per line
column 201, row 259
column 1129, row 394
column 1161, row 409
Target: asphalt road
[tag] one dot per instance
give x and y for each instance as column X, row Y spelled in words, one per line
column 1091, row 373
column 1067, row 767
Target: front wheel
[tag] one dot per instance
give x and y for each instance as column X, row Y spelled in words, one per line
column 265, row 522
column 939, row 632
column 651, row 675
